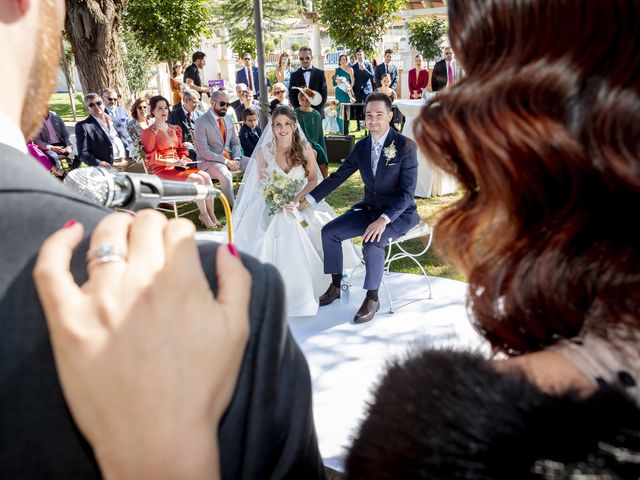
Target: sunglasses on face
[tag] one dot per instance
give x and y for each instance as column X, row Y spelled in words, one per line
column 245, row 59
column 97, row 103
column 112, row 99
column 222, row 104
column 305, row 58
column 142, row 107
column 279, row 92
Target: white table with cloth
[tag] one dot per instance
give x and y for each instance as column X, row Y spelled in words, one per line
column 431, row 180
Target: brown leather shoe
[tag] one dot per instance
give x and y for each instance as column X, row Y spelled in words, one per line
column 332, row 294
column 367, row 310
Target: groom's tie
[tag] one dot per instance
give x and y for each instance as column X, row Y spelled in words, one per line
column 375, row 155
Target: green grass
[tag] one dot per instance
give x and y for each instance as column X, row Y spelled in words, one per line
column 59, row 103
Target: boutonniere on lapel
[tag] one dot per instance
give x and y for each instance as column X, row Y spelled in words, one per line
column 389, row 153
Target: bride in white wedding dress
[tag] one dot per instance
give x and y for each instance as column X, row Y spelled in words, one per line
column 285, row 237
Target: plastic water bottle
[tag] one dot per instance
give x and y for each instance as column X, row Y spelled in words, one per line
column 344, row 289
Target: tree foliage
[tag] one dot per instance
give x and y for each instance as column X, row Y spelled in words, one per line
column 168, row 28
column 236, row 17
column 137, row 61
column 358, row 23
column 426, row 36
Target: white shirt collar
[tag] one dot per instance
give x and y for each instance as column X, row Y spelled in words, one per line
column 382, row 139
column 11, row 135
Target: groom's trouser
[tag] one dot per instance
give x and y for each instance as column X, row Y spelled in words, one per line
column 220, row 172
column 353, row 224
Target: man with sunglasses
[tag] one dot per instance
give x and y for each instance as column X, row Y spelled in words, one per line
column 307, row 76
column 248, row 75
column 100, row 140
column 218, row 145
column 110, row 99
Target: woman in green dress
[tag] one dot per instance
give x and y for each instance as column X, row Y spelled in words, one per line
column 311, row 123
column 343, row 82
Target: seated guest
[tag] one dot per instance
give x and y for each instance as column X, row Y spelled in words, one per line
column 249, row 131
column 280, row 94
column 118, row 113
column 184, row 115
column 53, row 140
column 168, row 158
column 138, row 122
column 101, row 141
column 240, row 87
column 385, row 79
column 311, row 123
column 246, row 101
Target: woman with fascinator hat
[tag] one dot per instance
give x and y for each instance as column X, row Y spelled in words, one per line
column 276, row 232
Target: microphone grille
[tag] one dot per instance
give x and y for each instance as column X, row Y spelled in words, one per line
column 90, row 183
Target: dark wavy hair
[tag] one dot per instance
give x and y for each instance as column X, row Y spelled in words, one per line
column 155, row 100
column 295, row 156
column 543, row 133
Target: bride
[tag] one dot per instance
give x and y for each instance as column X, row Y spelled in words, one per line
column 285, row 237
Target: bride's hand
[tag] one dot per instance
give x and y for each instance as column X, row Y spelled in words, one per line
column 291, row 207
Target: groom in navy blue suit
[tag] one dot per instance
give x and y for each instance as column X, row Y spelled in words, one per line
column 388, row 166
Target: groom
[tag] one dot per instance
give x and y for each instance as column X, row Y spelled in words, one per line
column 388, row 165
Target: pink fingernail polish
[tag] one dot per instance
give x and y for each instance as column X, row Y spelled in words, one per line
column 69, row 223
column 233, row 250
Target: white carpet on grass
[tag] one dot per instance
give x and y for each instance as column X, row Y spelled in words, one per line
column 346, row 360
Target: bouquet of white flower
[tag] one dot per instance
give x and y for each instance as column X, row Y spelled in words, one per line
column 280, row 191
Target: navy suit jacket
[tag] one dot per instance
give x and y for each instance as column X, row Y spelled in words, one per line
column 42, row 139
column 93, row 143
column 249, row 139
column 392, row 188
column 179, row 118
column 393, row 72
column 241, row 77
column 317, row 82
column 362, row 84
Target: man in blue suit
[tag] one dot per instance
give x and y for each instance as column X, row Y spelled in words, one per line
column 249, row 75
column 363, row 71
column 386, row 67
column 101, row 142
column 388, row 165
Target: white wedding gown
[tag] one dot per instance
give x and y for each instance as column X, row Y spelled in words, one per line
column 281, row 240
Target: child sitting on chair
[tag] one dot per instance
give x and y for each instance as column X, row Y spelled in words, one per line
column 249, row 131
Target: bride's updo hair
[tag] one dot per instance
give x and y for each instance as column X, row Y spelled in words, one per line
column 543, row 134
column 295, row 156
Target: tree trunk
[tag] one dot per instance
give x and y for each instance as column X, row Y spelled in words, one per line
column 92, row 28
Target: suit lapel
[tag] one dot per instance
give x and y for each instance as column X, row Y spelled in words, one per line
column 390, row 138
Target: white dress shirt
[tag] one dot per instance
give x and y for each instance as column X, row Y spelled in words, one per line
column 10, row 134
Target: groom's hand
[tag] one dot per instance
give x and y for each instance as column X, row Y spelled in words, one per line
column 374, row 230
column 233, row 165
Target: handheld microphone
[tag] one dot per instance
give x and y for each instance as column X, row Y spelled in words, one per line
column 133, row 191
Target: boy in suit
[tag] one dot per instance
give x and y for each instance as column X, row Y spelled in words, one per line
column 249, row 131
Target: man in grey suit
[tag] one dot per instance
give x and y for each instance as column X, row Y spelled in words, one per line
column 218, row 146
column 267, row 431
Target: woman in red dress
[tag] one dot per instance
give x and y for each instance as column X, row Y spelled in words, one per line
column 418, row 79
column 167, row 157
